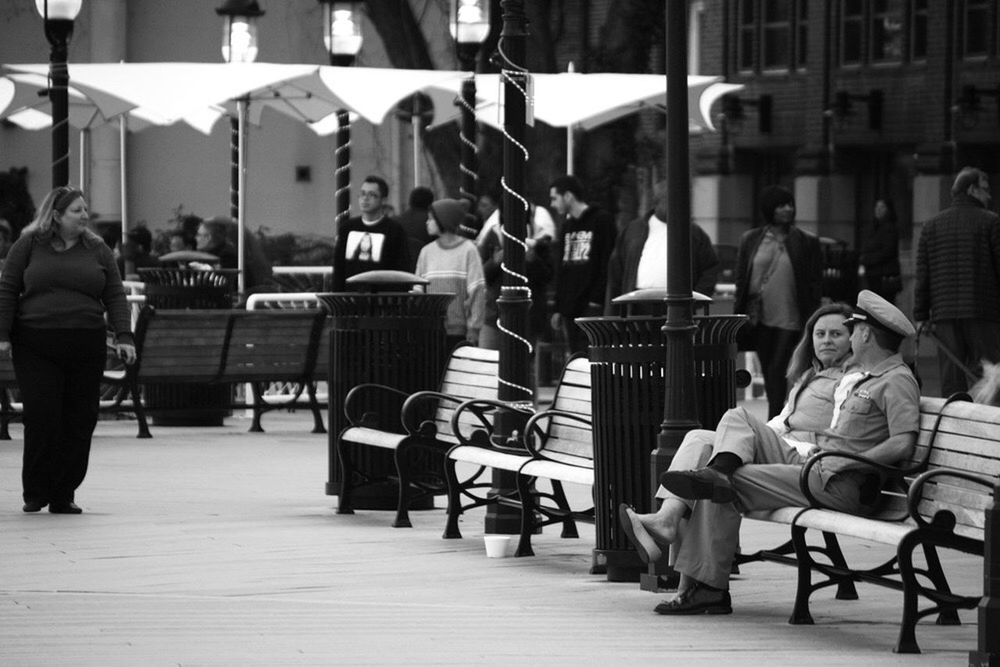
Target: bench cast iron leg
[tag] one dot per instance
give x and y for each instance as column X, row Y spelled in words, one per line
column 258, row 407
column 800, row 612
column 347, row 471
column 401, row 456
column 845, row 587
column 140, row 413
column 314, row 405
column 451, row 530
column 907, row 642
column 936, row 574
column 569, row 525
column 524, row 490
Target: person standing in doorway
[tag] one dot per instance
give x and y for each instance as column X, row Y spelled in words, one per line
column 585, row 244
column 59, row 281
column 370, row 241
column 778, row 285
column 958, row 279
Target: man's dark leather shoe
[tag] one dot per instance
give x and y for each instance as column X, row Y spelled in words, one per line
column 645, row 546
column 34, row 505
column 68, row 507
column 703, row 484
column 699, row 599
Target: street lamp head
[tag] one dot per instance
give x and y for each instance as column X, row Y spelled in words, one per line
column 66, row 10
column 239, row 34
column 342, row 30
column 470, row 21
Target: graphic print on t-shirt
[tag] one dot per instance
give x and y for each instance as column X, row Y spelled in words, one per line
column 364, row 246
column 577, row 247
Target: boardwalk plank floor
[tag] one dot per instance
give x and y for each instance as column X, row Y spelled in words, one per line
column 213, row 546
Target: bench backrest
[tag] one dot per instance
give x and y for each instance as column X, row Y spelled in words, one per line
column 182, row 345
column 272, row 345
column 471, row 373
column 568, row 440
column 968, row 439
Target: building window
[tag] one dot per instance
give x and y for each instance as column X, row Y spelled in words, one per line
column 771, row 35
column 852, row 24
column 918, row 30
column 874, row 31
column 887, row 31
column 976, row 21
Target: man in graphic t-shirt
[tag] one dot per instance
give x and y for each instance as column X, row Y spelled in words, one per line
column 585, row 244
column 371, row 241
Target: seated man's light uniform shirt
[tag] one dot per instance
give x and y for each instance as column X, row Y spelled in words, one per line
column 883, row 403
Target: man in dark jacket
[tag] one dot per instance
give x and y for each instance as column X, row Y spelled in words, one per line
column 585, row 243
column 958, row 278
column 639, row 259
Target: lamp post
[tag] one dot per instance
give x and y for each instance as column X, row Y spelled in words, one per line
column 342, row 37
column 239, row 45
column 679, row 411
column 514, row 380
column 470, row 24
column 59, row 16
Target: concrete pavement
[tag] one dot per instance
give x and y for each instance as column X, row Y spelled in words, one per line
column 213, row 546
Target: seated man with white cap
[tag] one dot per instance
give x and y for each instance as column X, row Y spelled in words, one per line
column 749, row 467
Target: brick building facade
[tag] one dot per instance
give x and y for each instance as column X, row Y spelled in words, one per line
column 846, row 101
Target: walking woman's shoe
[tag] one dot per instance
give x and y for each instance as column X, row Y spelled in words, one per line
column 34, row 505
column 67, row 507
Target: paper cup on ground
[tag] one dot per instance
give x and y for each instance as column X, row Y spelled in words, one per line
column 496, row 545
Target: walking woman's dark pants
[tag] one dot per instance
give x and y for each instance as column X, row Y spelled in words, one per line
column 59, row 374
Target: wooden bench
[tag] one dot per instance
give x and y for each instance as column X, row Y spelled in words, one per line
column 415, row 423
column 216, row 347
column 940, row 502
column 558, row 447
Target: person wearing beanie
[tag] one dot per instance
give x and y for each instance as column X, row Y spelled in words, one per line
column 451, row 265
column 779, row 270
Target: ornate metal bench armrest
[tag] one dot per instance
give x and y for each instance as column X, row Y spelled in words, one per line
column 484, row 409
column 916, row 490
column 412, row 415
column 892, row 472
column 534, row 442
column 353, row 405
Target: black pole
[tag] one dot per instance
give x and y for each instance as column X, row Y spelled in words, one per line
column 234, row 167
column 679, row 409
column 59, row 32
column 514, row 386
column 342, row 170
column 468, row 136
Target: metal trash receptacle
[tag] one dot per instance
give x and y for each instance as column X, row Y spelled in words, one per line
column 388, row 335
column 627, row 356
column 176, row 288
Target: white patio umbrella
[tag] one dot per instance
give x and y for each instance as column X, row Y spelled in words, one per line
column 308, row 93
column 585, row 101
column 22, row 103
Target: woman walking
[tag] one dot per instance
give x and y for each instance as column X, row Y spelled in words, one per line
column 59, row 280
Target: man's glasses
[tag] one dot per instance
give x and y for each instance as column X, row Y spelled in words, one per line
column 370, row 195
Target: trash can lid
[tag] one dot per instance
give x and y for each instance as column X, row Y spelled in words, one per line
column 652, row 294
column 189, row 256
column 386, row 278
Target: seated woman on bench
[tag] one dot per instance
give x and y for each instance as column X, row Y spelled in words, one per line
column 752, row 467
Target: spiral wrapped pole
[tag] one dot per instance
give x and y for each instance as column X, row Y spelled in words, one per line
column 342, row 169
column 514, row 379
